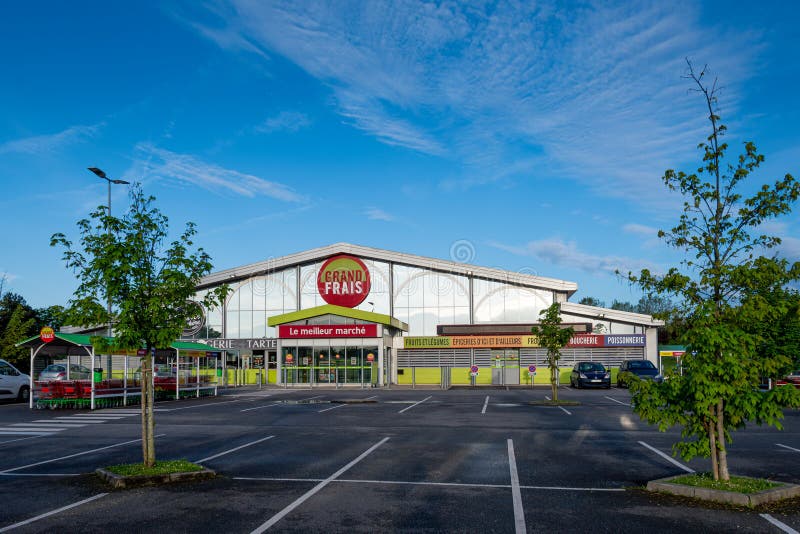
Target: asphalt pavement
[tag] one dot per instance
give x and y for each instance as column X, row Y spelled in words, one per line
column 482, row 460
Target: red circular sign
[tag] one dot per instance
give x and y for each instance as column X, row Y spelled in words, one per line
column 370, row 357
column 343, row 280
column 47, row 334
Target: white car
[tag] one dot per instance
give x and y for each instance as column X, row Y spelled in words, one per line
column 13, row 383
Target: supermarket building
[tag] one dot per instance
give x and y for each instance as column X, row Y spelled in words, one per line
column 351, row 315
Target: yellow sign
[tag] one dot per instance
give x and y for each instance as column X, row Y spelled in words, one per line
column 470, row 342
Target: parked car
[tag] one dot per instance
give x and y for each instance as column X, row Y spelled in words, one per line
column 58, row 371
column 792, row 378
column 586, row 374
column 14, row 384
column 643, row 369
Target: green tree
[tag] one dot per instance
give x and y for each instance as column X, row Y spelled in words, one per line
column 18, row 327
column 127, row 261
column 717, row 392
column 553, row 337
column 591, row 301
column 623, row 306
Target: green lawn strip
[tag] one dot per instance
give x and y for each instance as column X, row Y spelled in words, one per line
column 554, row 403
column 163, row 467
column 735, row 484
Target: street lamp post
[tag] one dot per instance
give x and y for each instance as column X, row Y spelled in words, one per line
column 102, row 175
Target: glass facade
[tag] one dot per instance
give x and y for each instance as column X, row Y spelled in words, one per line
column 496, row 302
column 320, row 362
column 252, row 301
column 424, row 299
column 421, row 297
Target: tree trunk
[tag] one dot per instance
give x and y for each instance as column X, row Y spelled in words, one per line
column 712, row 442
column 554, row 382
column 148, row 441
column 723, row 455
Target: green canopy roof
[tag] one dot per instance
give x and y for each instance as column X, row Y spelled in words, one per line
column 62, row 340
column 341, row 311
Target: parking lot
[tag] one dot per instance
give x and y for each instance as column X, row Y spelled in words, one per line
column 482, row 460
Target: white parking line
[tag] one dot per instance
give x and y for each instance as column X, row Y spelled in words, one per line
column 561, row 407
column 76, row 454
column 259, row 407
column 333, row 407
column 667, row 457
column 21, row 439
column 615, row 400
column 783, row 526
column 310, row 493
column 197, row 406
column 416, row 483
column 787, row 447
column 53, row 512
column 516, row 494
column 40, row 428
column 233, row 450
column 485, row 404
column 420, row 402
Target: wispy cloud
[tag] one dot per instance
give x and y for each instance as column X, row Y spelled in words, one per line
column 558, row 252
column 594, row 90
column 790, row 248
column 40, row 144
column 377, row 214
column 640, row 229
column 187, row 169
column 287, row 121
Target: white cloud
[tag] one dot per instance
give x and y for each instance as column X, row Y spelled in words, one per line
column 289, row 121
column 640, row 229
column 377, row 214
column 558, row 252
column 40, row 144
column 790, row 248
column 188, row 169
column 595, row 89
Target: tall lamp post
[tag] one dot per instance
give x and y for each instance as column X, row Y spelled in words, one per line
column 102, row 175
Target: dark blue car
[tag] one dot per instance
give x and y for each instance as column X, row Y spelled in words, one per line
column 642, row 369
column 590, row 374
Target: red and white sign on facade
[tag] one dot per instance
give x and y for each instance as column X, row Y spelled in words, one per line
column 343, row 280
column 47, row 334
column 287, row 331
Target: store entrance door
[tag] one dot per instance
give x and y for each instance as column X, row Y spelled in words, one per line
column 505, row 367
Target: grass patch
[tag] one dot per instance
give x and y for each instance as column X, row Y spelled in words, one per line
column 735, row 484
column 555, row 403
column 163, row 467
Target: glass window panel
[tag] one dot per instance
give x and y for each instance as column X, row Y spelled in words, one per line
column 245, row 324
column 259, row 293
column 233, row 301
column 461, row 297
column 416, row 324
column 289, row 290
column 415, row 288
column 232, row 324
column 274, row 291
column 461, row 315
column 259, row 324
column 429, row 289
column 246, row 297
column 400, row 274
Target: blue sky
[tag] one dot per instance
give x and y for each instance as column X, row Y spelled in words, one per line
column 525, row 136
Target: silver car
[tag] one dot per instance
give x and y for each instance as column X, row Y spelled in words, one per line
column 58, row 371
column 14, row 384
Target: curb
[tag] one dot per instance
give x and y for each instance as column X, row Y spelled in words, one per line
column 779, row 493
column 120, row 481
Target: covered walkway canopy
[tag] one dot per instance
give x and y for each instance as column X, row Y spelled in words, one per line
column 67, row 345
